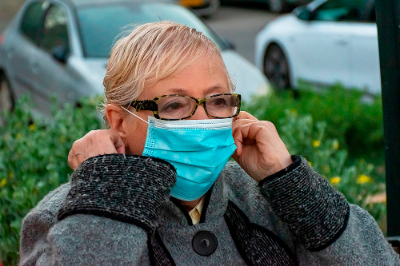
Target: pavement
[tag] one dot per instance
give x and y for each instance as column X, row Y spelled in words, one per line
column 8, row 8
column 240, row 25
column 4, row 21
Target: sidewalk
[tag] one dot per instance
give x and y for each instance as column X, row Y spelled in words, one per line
column 8, row 8
column 4, row 21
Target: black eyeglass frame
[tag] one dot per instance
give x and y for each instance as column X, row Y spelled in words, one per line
column 152, row 105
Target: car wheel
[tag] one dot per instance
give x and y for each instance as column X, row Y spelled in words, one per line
column 6, row 95
column 276, row 68
column 277, row 6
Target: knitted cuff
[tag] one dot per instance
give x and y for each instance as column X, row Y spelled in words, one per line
column 127, row 188
column 316, row 213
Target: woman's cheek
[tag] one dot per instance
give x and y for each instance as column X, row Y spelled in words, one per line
column 136, row 138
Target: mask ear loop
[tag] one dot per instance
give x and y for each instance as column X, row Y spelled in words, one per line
column 135, row 115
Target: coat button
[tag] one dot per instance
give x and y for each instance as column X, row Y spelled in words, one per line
column 204, row 243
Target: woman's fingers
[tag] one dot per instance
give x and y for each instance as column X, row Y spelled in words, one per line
column 260, row 150
column 247, row 131
column 240, row 130
column 94, row 143
column 246, row 115
column 118, row 143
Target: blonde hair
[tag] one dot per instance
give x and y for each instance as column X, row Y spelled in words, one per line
column 151, row 52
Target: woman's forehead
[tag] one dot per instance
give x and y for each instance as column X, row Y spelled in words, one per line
column 202, row 78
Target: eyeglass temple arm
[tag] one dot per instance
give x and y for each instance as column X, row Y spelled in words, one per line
column 144, row 105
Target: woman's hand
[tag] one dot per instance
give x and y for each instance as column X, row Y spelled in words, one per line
column 260, row 151
column 96, row 142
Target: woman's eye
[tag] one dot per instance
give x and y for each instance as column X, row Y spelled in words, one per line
column 173, row 106
column 219, row 102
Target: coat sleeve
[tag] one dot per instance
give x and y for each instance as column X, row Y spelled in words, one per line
column 106, row 218
column 328, row 229
column 36, row 225
column 80, row 240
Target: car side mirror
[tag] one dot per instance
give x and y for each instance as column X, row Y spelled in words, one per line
column 303, row 13
column 60, row 53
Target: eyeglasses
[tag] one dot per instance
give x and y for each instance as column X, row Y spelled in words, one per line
column 179, row 107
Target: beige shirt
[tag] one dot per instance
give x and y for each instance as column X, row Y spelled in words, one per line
column 195, row 213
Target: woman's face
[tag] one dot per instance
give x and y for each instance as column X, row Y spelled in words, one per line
column 205, row 77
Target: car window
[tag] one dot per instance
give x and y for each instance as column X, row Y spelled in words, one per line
column 101, row 24
column 32, row 20
column 55, row 29
column 344, row 10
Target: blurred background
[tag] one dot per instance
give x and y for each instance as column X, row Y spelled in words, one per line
column 310, row 67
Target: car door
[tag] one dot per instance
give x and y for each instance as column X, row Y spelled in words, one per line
column 53, row 72
column 365, row 69
column 22, row 68
column 323, row 47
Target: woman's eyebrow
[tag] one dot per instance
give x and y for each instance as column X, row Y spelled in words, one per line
column 216, row 88
column 182, row 91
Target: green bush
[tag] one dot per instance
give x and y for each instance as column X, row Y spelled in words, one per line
column 355, row 121
column 33, row 161
column 303, row 136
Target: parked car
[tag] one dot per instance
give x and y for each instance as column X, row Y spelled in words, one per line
column 201, row 7
column 61, row 48
column 325, row 42
column 275, row 6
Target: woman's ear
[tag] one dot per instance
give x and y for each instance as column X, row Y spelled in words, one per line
column 116, row 117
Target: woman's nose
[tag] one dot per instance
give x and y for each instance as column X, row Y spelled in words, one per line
column 199, row 114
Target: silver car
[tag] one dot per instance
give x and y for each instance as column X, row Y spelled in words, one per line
column 61, row 48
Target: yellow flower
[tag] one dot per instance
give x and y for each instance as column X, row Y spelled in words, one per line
column 19, row 136
column 335, row 180
column 3, row 182
column 363, row 179
column 310, row 163
column 316, row 143
column 32, row 127
column 336, row 144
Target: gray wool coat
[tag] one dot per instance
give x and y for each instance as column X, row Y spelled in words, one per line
column 117, row 211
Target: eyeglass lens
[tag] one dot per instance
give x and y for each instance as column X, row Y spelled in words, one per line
column 178, row 107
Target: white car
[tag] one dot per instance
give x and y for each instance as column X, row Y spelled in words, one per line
column 61, row 48
column 324, row 42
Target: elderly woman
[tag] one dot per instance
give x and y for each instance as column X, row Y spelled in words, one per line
column 157, row 188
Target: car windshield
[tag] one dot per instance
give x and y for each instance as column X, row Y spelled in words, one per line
column 101, row 24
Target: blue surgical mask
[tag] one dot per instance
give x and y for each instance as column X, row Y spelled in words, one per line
column 198, row 149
